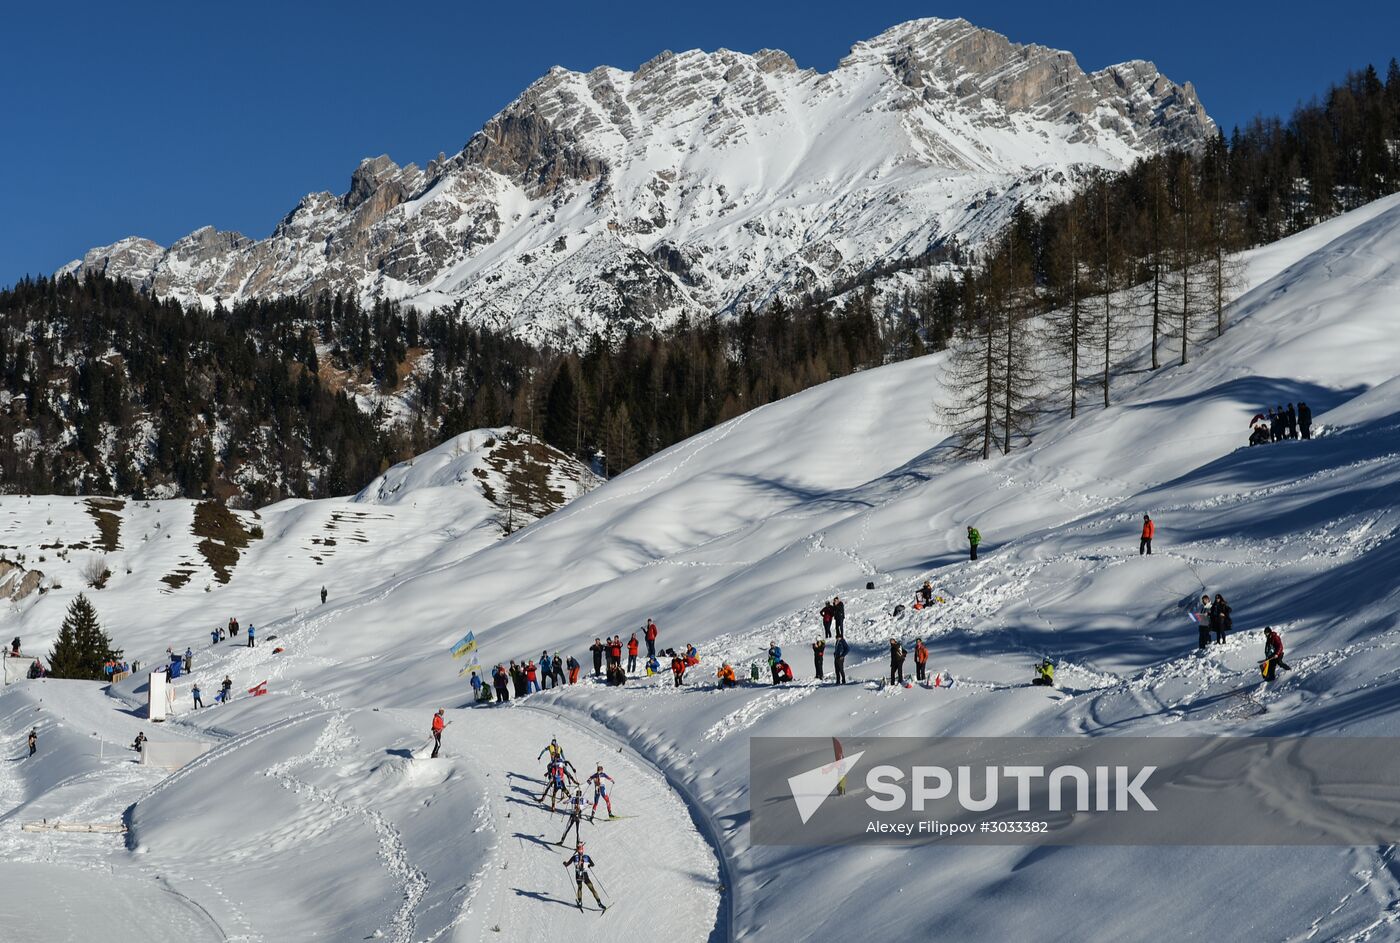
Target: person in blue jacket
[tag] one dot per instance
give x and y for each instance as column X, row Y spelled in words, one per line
column 251, row 630
column 582, row 864
column 545, row 670
column 775, row 655
column 841, row 650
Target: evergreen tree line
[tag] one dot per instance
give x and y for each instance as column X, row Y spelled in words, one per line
column 1143, row 260
column 104, row 390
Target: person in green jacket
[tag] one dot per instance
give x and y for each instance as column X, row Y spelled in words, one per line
column 973, row 539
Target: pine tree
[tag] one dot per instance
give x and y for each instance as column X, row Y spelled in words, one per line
column 82, row 647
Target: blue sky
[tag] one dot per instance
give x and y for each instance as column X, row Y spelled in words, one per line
column 156, row 118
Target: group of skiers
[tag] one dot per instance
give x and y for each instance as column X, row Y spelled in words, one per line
column 559, row 774
column 1281, row 423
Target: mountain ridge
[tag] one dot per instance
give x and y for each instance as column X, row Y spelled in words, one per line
column 608, row 200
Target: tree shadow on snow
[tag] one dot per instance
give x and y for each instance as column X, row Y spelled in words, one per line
column 401, row 751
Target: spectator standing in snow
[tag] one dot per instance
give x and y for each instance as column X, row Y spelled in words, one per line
column 1149, row 529
column 1203, row 621
column 214, row 637
column 573, row 670
column 476, row 686
column 678, row 668
column 818, row 650
column 189, row 660
column 920, row 659
column 632, row 646
column 1273, row 654
column 775, row 655
column 558, row 667
column 926, row 593
column 546, row 670
column 438, row 724
column 827, row 615
column 896, row 661
column 651, row 634
column 1304, row 420
column 974, row 537
column 841, row 650
column 532, row 681
column 597, row 649
column 33, row 741
column 227, row 688
column 323, row 595
column 140, row 741
column 502, row 682
column 838, row 611
column 1220, row 622
column 198, row 702
column 1292, row 422
column 251, row 632
column 232, row 627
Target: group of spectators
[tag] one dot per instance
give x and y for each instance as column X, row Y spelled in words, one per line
column 1281, row 423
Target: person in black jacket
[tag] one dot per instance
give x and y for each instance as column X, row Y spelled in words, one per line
column 841, row 649
column 818, row 651
column 1305, row 420
column 1220, row 622
column 896, row 662
column 1291, row 421
column 838, row 611
column 597, row 648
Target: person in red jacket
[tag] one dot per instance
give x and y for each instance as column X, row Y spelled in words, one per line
column 1273, row 655
column 678, row 668
column 1148, row 529
column 920, row 659
column 651, row 634
column 827, row 615
column 632, row 654
column 438, row 724
column 615, row 650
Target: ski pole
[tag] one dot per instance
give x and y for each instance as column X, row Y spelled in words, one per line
column 599, row 882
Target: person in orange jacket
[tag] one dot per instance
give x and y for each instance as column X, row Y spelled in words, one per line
column 920, row 659
column 438, row 724
column 632, row 645
column 1148, row 529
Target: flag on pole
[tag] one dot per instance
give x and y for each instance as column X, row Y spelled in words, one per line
column 258, row 689
column 465, row 646
column 474, row 666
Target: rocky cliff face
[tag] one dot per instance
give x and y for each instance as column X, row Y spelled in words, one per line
column 700, row 182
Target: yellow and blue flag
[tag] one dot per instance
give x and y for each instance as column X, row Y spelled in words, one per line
column 466, row 646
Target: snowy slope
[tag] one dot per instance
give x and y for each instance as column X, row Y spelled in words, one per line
column 700, row 182
column 439, row 507
column 731, row 540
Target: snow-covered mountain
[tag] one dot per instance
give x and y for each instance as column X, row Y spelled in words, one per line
column 699, row 182
column 311, row 816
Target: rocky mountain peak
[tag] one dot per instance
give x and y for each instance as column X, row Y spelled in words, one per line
column 701, row 181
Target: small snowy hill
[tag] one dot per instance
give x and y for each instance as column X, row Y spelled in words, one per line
column 731, row 540
column 191, row 563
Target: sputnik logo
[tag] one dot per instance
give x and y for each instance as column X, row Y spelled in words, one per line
column 811, row 789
